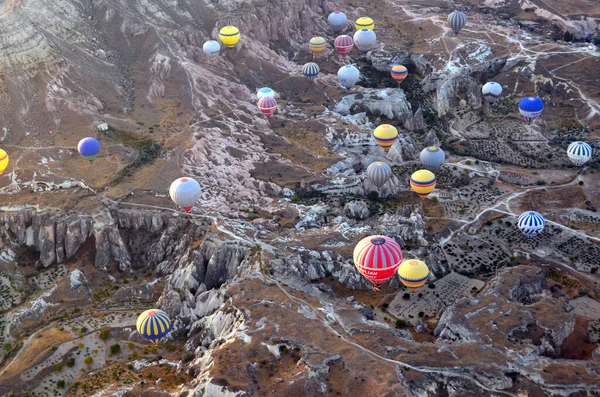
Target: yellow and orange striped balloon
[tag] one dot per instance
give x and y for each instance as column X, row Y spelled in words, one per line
column 3, row 161
column 385, row 135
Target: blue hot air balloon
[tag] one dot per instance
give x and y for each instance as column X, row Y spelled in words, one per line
column 348, row 75
column 432, row 158
column 265, row 91
column 457, row 20
column 579, row 153
column 153, row 325
column 379, row 173
column 531, row 108
column 365, row 39
column 338, row 21
column 531, row 223
column 310, row 71
column 89, row 148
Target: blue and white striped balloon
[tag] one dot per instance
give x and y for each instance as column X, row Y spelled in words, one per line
column 379, row 173
column 531, row 223
column 457, row 20
column 432, row 158
column 579, row 153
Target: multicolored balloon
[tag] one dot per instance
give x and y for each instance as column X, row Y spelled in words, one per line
column 531, row 108
column 89, row 148
column 153, row 325
column 3, row 161
column 317, row 45
column 491, row 91
column 343, row 44
column 413, row 273
column 265, row 91
column 365, row 39
column 364, row 23
column 399, row 73
column 185, row 192
column 338, row 21
column 579, row 153
column 423, row 182
column 310, row 71
column 348, row 76
column 377, row 258
column 379, row 173
column 531, row 223
column 212, row 49
column 432, row 158
column 385, row 135
column 229, row 36
column 457, row 20
column 267, row 106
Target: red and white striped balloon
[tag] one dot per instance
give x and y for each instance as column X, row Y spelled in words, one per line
column 343, row 44
column 377, row 258
column 267, row 106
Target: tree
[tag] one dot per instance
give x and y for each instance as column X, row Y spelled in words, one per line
column 60, row 383
column 70, row 362
column 115, row 349
column 88, row 360
column 104, row 334
column 406, row 296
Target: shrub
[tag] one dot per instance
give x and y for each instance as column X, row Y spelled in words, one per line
column 58, row 367
column 468, row 162
column 81, row 345
column 400, row 323
column 88, row 360
column 130, row 345
column 406, row 296
column 7, row 347
column 187, row 357
column 431, row 286
column 60, row 383
column 115, row 349
column 580, row 183
column 373, row 196
column 171, row 347
column 104, row 334
column 70, row 362
column 83, row 330
column 421, row 314
column 594, row 270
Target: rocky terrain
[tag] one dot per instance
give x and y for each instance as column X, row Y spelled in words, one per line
column 259, row 280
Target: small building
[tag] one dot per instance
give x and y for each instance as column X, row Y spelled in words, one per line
column 102, row 127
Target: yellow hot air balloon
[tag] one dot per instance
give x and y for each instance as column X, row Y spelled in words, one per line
column 317, row 45
column 413, row 273
column 364, row 23
column 385, row 135
column 229, row 35
column 3, row 161
column 423, row 182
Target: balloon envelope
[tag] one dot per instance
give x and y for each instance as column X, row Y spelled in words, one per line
column 267, row 106
column 338, row 21
column 491, row 91
column 531, row 108
column 211, row 48
column 385, row 135
column 310, row 71
column 153, row 325
column 531, row 223
column 343, row 44
column 230, row 36
column 413, row 273
column 3, row 160
column 365, row 39
column 317, row 45
column 364, row 23
column 432, row 158
column 423, row 182
column 399, row 73
column 379, row 173
column 265, row 91
column 89, row 148
column 185, row 192
column 348, row 76
column 377, row 258
column 579, row 153
column 457, row 21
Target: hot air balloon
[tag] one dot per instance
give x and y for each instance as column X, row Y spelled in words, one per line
column 348, row 76
column 423, row 182
column 211, row 48
column 153, row 325
column 457, row 21
column 413, row 273
column 3, row 161
column 229, row 35
column 579, row 153
column 317, row 45
column 185, row 192
column 365, row 40
column 364, row 23
column 343, row 44
column 385, row 135
column 377, row 258
column 531, row 223
column 432, row 158
column 399, row 73
column 531, row 108
column 310, row 71
column 89, row 148
column 265, row 91
column 338, row 21
column 491, row 91
column 267, row 106
column 379, row 173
